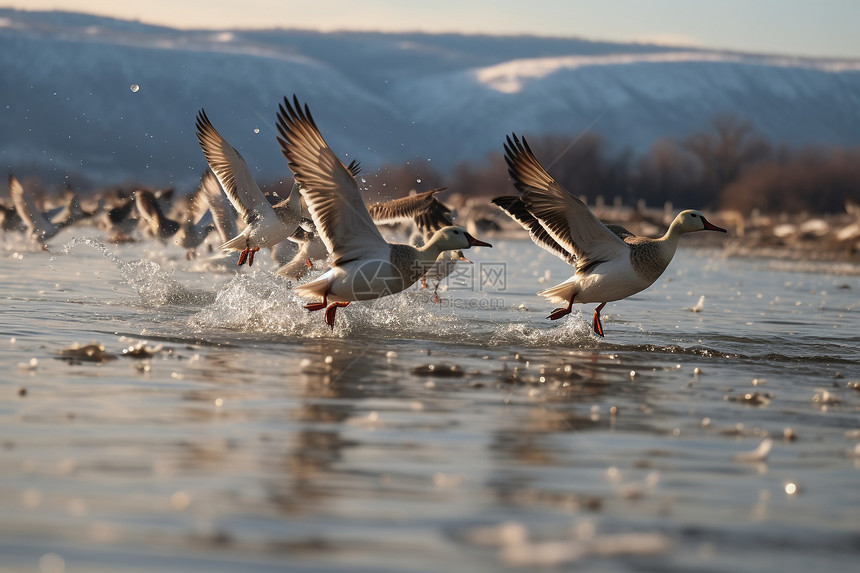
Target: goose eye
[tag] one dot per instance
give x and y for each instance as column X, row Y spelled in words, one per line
column 695, row 216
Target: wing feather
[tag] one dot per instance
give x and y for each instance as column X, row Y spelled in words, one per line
column 513, row 206
column 233, row 173
column 565, row 218
column 329, row 188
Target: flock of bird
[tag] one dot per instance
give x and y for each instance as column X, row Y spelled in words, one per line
column 610, row 262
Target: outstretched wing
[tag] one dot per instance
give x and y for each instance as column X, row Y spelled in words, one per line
column 565, row 218
column 232, row 172
column 513, row 206
column 330, row 190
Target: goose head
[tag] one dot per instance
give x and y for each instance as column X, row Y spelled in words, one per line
column 690, row 221
column 454, row 238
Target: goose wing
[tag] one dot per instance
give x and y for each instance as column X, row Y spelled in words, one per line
column 232, row 173
column 222, row 211
column 329, row 188
column 513, row 206
column 565, row 218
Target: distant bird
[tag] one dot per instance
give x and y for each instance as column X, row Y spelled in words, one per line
column 364, row 265
column 121, row 221
column 72, row 212
column 611, row 263
column 158, row 224
column 38, row 227
column 197, row 223
column 10, row 221
column 267, row 225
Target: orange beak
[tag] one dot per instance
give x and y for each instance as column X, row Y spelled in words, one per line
column 711, row 227
column 473, row 242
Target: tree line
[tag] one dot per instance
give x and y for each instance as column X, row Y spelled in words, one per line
column 727, row 165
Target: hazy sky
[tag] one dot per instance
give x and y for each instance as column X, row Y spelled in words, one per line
column 796, row 27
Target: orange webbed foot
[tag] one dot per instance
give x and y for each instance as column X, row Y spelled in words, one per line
column 595, row 320
column 317, row 305
column 251, row 255
column 243, row 256
column 330, row 312
column 558, row 313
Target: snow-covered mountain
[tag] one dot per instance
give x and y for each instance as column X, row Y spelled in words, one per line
column 68, row 108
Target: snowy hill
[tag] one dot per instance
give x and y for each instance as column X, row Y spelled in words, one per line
column 383, row 98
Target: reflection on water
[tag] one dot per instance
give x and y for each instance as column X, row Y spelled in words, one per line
column 248, row 436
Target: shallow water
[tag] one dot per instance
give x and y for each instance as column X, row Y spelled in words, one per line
column 474, row 435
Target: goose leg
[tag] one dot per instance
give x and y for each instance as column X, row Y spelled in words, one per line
column 243, row 256
column 561, row 311
column 251, row 255
column 318, row 305
column 595, row 321
column 329, row 313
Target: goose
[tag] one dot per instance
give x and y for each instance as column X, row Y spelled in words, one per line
column 158, row 224
column 429, row 215
column 266, row 225
column 9, row 219
column 197, row 221
column 38, row 226
column 120, row 221
column 71, row 212
column 611, row 263
column 364, row 265
column 310, row 248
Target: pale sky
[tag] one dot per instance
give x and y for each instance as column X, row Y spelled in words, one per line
column 821, row 28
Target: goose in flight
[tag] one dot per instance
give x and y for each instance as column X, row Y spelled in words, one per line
column 364, row 265
column 611, row 263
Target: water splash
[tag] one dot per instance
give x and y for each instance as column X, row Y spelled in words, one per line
column 571, row 332
column 155, row 287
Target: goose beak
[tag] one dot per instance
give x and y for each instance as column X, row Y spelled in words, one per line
column 464, row 259
column 473, row 242
column 711, row 227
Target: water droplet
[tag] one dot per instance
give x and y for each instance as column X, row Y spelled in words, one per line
column 418, row 180
column 256, row 130
column 134, row 88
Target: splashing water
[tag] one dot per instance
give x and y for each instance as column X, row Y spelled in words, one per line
column 154, row 286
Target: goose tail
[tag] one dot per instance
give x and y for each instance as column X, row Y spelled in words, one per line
column 560, row 293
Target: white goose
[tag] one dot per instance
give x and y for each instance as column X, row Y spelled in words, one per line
column 267, row 225
column 364, row 265
column 611, row 263
column 422, row 209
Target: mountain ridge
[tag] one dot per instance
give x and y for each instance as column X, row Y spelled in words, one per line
column 382, row 98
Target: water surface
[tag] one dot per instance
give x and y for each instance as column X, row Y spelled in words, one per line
column 472, row 435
